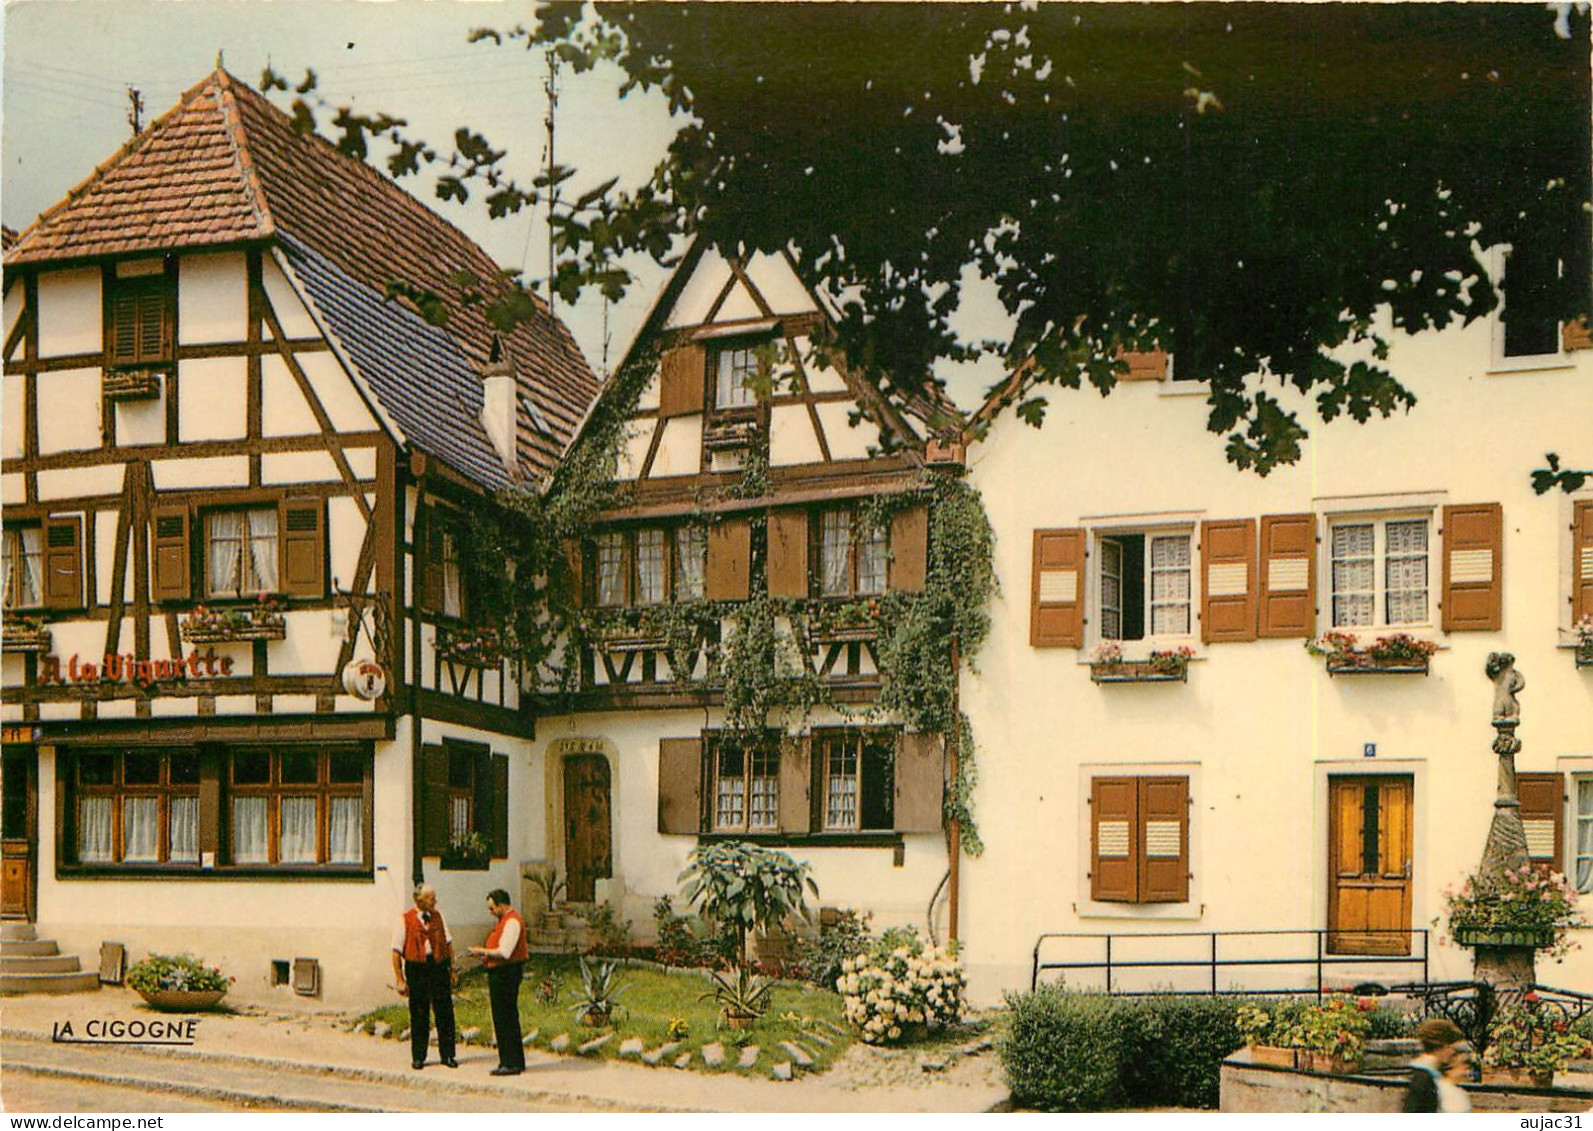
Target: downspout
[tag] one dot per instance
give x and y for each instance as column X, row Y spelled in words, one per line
column 954, row 840
column 417, row 778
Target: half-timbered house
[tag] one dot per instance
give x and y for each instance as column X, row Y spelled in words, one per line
column 246, row 699
column 767, row 494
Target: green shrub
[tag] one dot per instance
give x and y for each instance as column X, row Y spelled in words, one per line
column 1066, row 1051
column 820, row 956
column 175, row 972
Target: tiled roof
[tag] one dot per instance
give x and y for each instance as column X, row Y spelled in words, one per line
column 226, row 166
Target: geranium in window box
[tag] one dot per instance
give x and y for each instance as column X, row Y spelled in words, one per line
column 1528, row 1044
column 467, row 853
column 844, row 622
column 1398, row 654
column 1584, row 641
column 24, row 634
column 476, row 647
column 1528, row 907
column 262, row 620
column 133, row 383
column 1164, row 666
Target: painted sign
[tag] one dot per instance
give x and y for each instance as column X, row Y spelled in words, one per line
column 365, row 679
column 116, row 668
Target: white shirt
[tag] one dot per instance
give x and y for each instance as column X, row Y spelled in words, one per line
column 507, row 940
column 425, row 940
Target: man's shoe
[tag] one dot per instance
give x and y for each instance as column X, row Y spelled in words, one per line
column 417, row 1064
column 501, row 1070
column 450, row 1062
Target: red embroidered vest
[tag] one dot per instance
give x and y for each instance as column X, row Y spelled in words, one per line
column 416, row 934
column 518, row 954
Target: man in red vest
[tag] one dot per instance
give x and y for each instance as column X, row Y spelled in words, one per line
column 504, row 955
column 423, row 961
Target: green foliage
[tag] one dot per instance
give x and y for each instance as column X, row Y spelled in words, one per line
column 744, row 887
column 741, row 991
column 821, row 956
column 468, row 851
column 686, row 940
column 546, row 880
column 175, row 972
column 1525, row 1035
column 1568, row 480
column 1065, row 1051
column 610, row 933
column 599, row 991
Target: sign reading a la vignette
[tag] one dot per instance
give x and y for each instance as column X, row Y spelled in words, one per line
column 140, row 673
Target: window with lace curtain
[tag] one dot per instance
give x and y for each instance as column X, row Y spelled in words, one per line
column 649, row 565
column 1144, row 584
column 24, row 567
column 746, row 787
column 852, row 557
column 1379, row 571
column 241, row 553
column 857, row 773
column 296, row 807
column 137, row 807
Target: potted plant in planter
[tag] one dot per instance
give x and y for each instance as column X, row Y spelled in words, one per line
column 1528, row 907
column 1527, row 1045
column 546, row 880
column 1107, row 664
column 1273, row 1038
column 595, row 998
column 178, row 983
column 743, row 997
column 1334, row 1034
column 468, row 853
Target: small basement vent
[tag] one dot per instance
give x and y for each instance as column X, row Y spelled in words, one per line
column 307, row 977
column 280, row 974
column 113, row 963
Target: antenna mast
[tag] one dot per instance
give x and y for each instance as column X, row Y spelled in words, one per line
column 135, row 110
column 551, row 88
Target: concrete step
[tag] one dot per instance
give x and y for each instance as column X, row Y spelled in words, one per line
column 18, row 929
column 15, row 948
column 39, row 964
column 48, row 983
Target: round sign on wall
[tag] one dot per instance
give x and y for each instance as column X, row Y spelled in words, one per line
column 365, row 679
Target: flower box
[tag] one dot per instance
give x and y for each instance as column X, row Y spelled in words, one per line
column 473, row 647
column 633, row 642
column 205, row 632
column 1584, row 656
column 131, row 384
column 1138, row 671
column 730, row 435
column 842, row 635
column 1367, row 665
column 1329, row 1064
column 1539, row 938
column 1518, row 1077
column 1275, row 1055
column 22, row 636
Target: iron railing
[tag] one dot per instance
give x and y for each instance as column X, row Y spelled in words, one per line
column 1471, row 1005
column 1227, row 950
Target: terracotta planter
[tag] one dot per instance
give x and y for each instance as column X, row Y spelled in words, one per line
column 596, row 1019
column 183, row 1001
column 1328, row 1064
column 1518, row 1078
column 737, row 1020
column 1274, row 1055
column 1538, row 938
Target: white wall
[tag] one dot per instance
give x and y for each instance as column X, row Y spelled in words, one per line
column 1263, row 724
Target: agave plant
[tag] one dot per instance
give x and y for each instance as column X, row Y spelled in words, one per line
column 741, row 994
column 600, row 987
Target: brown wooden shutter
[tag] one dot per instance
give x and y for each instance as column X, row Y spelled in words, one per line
column 1114, row 840
column 152, row 340
column 1582, row 562
column 1542, row 816
column 171, row 577
column 1288, row 576
column 428, row 553
column 796, row 780
column 788, row 553
column 1149, row 365
column 919, row 801
column 729, row 560
column 303, row 527
column 682, row 374
column 1163, row 840
column 1228, row 580
column 481, row 799
column 433, row 800
column 211, row 771
column 909, row 549
column 124, row 327
column 1473, row 586
column 1056, row 591
column 680, row 786
column 63, row 563
column 574, row 559
column 498, row 836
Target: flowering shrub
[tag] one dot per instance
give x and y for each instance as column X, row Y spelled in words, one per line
column 1338, row 1026
column 175, row 972
column 1107, row 652
column 902, row 985
column 1525, row 1036
column 1345, row 647
column 1527, row 899
column 1171, row 661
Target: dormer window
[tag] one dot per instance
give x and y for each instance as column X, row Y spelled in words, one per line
column 735, row 367
column 139, row 314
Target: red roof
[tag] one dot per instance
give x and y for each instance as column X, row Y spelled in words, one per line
column 225, row 167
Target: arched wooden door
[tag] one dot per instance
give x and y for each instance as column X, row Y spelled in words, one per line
column 587, row 845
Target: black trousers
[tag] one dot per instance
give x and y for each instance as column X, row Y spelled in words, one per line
column 430, row 991
column 503, row 990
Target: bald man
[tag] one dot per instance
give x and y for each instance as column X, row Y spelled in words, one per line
column 423, row 961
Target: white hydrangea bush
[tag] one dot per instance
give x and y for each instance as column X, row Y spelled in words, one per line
column 890, row 992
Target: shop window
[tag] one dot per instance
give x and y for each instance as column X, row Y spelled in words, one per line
column 137, row 807
column 289, row 807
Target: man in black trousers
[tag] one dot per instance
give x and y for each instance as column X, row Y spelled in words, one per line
column 423, row 969
column 504, row 955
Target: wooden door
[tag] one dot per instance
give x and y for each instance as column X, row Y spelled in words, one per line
column 19, row 839
column 1369, row 864
column 587, row 851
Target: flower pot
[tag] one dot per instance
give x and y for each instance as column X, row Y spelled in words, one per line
column 1538, row 938
column 736, row 1019
column 550, row 920
column 1275, row 1055
column 1330, row 1064
column 1518, row 1077
column 595, row 1018
column 183, row 1001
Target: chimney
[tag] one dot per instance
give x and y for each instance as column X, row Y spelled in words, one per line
column 498, row 404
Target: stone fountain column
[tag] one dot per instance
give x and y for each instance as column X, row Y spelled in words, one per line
column 1504, row 965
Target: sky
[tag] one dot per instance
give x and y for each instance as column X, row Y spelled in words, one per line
column 69, row 63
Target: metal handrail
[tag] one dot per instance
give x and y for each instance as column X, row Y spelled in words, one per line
column 1320, row 959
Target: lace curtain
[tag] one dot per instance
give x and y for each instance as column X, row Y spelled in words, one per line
column 94, row 830
column 345, row 832
column 249, row 830
column 141, row 830
column 298, row 831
